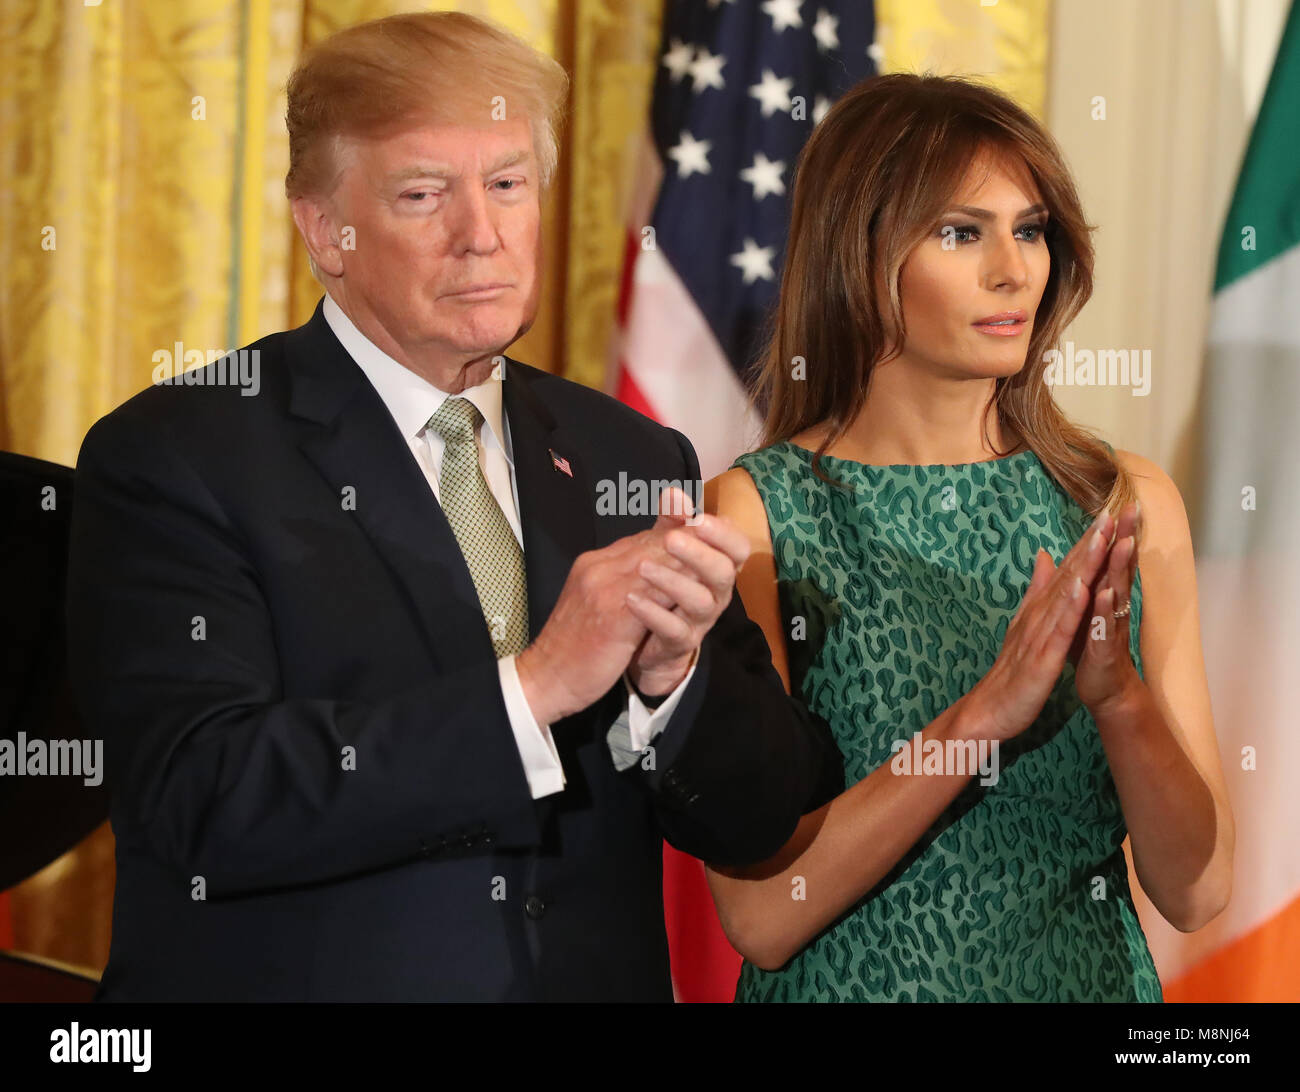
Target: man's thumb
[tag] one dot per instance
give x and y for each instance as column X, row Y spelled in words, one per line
column 675, row 508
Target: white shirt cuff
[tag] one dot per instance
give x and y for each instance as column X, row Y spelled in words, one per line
column 644, row 724
column 536, row 748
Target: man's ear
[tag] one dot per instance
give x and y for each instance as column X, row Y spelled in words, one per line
column 316, row 224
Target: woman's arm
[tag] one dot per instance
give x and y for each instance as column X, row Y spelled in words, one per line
column 841, row 851
column 1159, row 734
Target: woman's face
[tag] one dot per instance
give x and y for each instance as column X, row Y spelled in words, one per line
column 985, row 262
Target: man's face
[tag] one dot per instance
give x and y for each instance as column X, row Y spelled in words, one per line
column 447, row 240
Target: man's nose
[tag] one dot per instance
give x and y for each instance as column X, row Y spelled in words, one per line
column 472, row 225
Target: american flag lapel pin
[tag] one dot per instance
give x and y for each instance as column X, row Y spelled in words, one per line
column 560, row 463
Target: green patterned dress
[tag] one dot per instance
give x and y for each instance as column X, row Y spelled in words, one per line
column 898, row 595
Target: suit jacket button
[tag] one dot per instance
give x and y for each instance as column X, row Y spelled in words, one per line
column 534, row 906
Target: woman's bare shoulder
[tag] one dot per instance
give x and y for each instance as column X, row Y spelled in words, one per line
column 733, row 495
column 1159, row 497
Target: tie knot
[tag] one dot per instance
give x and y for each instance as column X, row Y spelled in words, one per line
column 455, row 421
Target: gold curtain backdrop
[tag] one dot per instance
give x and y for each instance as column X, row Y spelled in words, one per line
column 145, row 155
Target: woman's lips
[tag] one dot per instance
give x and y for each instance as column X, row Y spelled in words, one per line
column 1003, row 323
column 1007, row 329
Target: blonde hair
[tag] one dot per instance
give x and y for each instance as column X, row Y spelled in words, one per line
column 872, row 180
column 379, row 77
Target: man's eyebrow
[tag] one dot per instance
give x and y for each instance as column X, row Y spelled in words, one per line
column 421, row 171
column 442, row 170
column 510, row 159
column 984, row 214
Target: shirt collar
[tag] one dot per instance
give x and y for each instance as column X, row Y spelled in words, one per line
column 410, row 398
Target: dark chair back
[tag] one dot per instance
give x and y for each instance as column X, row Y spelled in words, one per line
column 41, row 817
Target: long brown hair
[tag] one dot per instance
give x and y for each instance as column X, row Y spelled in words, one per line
column 872, row 181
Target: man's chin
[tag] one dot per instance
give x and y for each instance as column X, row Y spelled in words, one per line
column 496, row 339
column 485, row 340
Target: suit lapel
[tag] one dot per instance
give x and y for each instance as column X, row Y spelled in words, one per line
column 556, row 510
column 353, row 441
column 558, row 519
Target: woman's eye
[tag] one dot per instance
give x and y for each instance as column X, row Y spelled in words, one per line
column 965, row 233
column 958, row 233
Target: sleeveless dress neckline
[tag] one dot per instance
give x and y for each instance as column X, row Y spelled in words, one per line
column 894, row 598
column 866, row 467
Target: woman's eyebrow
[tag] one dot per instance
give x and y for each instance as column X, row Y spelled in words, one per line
column 985, row 214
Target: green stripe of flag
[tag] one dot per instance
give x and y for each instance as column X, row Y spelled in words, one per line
column 1267, row 199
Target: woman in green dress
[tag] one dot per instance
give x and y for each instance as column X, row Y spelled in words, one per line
column 946, row 571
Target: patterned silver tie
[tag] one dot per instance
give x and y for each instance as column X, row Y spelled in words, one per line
column 496, row 564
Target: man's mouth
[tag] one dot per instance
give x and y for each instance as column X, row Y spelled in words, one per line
column 486, row 291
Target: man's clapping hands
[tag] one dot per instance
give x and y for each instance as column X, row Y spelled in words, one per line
column 642, row 605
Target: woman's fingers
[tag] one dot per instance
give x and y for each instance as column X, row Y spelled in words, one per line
column 1105, row 645
column 1060, row 620
column 1128, row 522
column 1117, row 567
column 1131, row 574
column 1126, row 528
column 1084, row 556
column 1049, row 620
column 1044, row 566
column 1062, row 602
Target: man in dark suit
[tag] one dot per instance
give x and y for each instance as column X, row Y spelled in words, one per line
column 393, row 709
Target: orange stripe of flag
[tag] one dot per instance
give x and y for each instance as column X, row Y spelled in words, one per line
column 1262, row 965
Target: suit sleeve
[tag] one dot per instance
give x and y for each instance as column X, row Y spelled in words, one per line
column 739, row 761
column 213, row 770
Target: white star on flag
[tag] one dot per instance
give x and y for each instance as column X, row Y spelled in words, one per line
column 706, row 69
column 773, row 93
column 691, row 155
column 877, row 54
column 824, row 30
column 821, row 106
column 764, row 176
column 784, row 13
column 677, row 59
column 756, row 261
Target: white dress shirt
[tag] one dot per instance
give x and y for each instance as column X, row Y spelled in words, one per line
column 412, row 400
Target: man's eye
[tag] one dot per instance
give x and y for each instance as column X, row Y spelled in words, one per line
column 418, row 196
column 512, row 184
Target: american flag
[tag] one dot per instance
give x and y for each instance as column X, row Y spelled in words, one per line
column 560, row 463
column 739, row 86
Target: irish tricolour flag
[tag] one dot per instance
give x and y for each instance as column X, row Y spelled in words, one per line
column 1247, row 537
